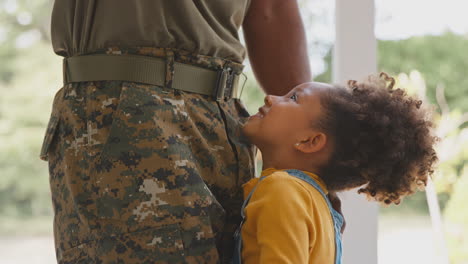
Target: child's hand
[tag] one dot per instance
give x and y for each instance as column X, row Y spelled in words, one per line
column 336, row 204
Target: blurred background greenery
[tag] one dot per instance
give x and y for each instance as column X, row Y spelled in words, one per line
column 433, row 66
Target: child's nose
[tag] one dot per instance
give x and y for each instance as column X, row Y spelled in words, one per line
column 270, row 100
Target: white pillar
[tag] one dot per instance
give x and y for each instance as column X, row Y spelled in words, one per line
column 354, row 58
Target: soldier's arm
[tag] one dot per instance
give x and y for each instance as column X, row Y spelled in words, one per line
column 276, row 45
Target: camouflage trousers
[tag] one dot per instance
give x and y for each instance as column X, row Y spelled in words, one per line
column 145, row 174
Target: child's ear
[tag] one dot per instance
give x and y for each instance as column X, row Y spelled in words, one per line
column 314, row 143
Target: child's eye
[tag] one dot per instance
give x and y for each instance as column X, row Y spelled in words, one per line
column 294, row 97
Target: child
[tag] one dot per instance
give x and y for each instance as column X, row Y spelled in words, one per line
column 321, row 138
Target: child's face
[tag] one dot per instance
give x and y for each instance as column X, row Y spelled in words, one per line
column 283, row 120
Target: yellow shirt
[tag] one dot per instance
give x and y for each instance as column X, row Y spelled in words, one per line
column 287, row 221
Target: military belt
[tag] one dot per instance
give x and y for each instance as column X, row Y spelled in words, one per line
column 221, row 84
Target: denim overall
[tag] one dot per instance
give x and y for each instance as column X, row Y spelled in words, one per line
column 337, row 218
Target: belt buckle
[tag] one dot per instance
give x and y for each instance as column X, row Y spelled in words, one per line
column 225, row 81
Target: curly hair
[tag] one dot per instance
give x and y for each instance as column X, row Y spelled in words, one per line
column 382, row 139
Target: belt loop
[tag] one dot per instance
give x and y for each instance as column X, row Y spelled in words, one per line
column 65, row 71
column 169, row 68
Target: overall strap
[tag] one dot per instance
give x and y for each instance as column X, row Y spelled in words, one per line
column 301, row 175
column 336, row 216
column 237, row 258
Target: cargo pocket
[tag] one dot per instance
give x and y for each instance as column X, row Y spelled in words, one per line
column 116, row 174
column 155, row 245
column 106, row 176
column 199, row 239
column 51, row 126
column 161, row 243
column 117, row 135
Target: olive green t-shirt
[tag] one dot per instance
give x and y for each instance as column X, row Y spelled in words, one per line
column 204, row 27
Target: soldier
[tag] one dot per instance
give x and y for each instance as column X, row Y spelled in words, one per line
column 145, row 154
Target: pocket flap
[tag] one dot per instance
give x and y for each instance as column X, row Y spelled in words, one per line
column 49, row 135
column 51, row 126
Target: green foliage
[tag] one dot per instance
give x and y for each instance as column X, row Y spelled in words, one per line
column 326, row 76
column 437, row 58
column 25, row 104
column 457, row 220
column 252, row 94
column 29, row 76
column 20, row 20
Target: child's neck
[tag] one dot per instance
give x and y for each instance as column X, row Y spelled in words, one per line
column 288, row 162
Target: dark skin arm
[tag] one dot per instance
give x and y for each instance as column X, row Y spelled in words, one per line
column 276, row 45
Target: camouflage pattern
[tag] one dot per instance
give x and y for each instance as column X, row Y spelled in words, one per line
column 146, row 174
